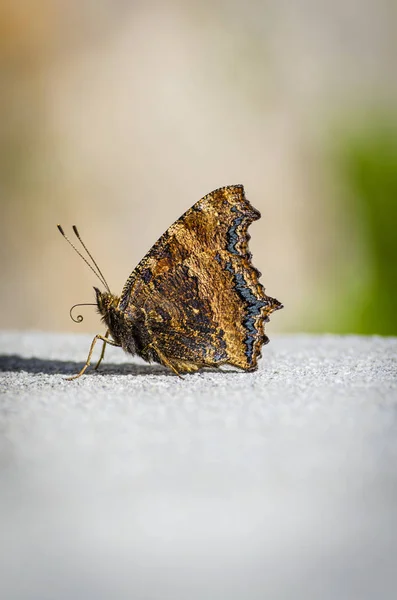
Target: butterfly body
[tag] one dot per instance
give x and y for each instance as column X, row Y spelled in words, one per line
column 195, row 299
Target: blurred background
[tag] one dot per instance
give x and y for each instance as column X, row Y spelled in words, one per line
column 118, row 115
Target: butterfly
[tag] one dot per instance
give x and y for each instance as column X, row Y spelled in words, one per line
column 195, row 299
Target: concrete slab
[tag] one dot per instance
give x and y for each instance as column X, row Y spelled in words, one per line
column 131, row 483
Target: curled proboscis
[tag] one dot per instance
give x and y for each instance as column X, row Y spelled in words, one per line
column 79, row 318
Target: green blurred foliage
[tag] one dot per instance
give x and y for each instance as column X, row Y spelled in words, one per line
column 367, row 164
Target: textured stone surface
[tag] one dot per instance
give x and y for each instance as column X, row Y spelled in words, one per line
column 132, row 483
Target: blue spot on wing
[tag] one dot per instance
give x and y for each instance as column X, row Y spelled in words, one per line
column 253, row 307
column 232, row 237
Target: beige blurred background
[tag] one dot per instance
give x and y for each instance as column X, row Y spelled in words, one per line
column 118, row 115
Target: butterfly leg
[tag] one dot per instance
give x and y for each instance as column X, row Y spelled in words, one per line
column 168, row 364
column 164, row 360
column 102, row 352
column 87, row 364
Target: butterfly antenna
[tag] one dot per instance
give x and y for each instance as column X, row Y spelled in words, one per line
column 76, row 232
column 100, row 277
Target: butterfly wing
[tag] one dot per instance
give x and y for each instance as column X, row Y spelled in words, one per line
column 196, row 295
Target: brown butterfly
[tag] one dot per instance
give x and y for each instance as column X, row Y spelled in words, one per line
column 195, row 299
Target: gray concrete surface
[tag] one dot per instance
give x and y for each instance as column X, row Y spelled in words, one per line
column 133, row 484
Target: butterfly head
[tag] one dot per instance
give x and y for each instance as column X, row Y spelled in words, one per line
column 105, row 300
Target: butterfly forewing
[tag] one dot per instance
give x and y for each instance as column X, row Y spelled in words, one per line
column 196, row 293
